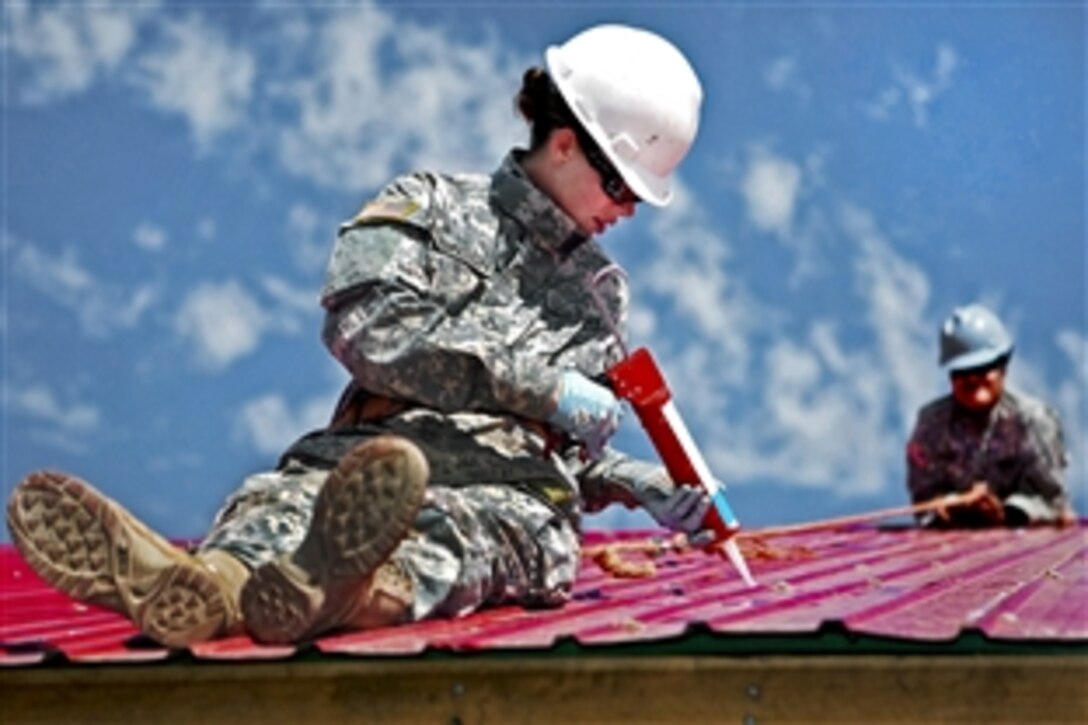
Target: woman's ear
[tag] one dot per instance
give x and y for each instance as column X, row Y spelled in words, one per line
column 562, row 145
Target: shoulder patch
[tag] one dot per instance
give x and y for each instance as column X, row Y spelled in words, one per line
column 396, row 210
column 916, row 454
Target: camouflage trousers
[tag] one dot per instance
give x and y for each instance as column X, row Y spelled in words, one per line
column 471, row 546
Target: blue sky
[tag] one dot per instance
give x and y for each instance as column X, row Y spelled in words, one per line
column 173, row 175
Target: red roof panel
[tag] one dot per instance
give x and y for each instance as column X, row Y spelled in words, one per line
column 919, row 586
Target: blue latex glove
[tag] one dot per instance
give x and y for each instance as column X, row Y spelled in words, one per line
column 683, row 509
column 586, row 410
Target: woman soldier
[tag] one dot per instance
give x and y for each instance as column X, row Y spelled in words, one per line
column 473, row 433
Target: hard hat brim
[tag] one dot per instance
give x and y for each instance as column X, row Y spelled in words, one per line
column 654, row 190
column 976, row 359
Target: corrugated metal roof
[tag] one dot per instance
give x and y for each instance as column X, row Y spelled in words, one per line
column 919, row 586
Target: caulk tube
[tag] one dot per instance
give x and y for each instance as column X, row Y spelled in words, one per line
column 639, row 381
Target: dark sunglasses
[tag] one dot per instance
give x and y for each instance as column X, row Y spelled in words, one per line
column 612, row 183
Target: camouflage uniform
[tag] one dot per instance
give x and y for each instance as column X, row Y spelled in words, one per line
column 1017, row 450
column 456, row 302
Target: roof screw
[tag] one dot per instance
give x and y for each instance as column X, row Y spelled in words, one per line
column 749, row 720
column 753, row 691
column 458, row 689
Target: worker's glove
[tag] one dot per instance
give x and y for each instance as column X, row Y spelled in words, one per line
column 676, row 507
column 1022, row 509
column 585, row 410
column 682, row 510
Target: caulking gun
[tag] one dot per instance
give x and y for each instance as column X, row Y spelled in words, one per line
column 639, row 380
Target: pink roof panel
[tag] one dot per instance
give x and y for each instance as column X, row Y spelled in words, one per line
column 1013, row 586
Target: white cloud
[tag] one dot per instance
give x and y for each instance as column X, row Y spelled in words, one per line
column 781, row 75
column 895, row 293
column 61, row 49
column 269, row 424
column 771, row 187
column 309, row 237
column 50, row 418
column 293, row 300
column 206, row 229
column 381, row 87
column 881, row 107
column 362, row 90
column 40, row 403
column 101, row 308
column 821, row 419
column 782, row 197
column 149, row 237
column 922, row 93
column 809, row 410
column 947, row 62
column 690, row 279
column 223, row 322
column 198, row 74
column 1074, row 345
column 918, row 92
column 779, row 71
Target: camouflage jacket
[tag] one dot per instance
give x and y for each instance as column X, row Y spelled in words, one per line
column 1017, row 450
column 455, row 302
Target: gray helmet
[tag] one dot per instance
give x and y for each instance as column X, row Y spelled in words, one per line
column 973, row 337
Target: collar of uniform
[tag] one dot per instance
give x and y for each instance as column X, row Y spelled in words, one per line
column 543, row 220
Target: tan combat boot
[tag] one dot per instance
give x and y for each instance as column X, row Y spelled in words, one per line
column 93, row 550
column 338, row 577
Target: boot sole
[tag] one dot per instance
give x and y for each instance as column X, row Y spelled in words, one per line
column 76, row 540
column 362, row 513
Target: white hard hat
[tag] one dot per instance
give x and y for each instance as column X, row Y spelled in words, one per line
column 637, row 96
column 972, row 337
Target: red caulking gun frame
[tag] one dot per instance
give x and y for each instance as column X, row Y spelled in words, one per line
column 639, row 380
